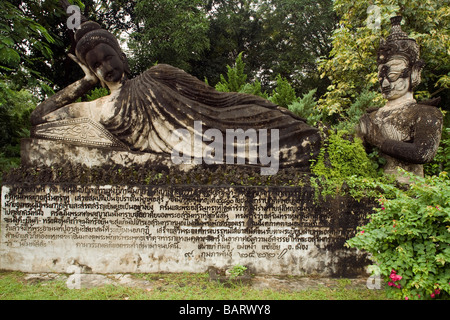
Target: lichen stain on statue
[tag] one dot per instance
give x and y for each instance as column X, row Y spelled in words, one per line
column 406, row 132
column 139, row 116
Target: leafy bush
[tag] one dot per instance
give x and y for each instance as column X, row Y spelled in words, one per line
column 408, row 238
column 283, row 95
column 367, row 99
column 341, row 156
column 236, row 77
column 306, row 108
column 236, row 81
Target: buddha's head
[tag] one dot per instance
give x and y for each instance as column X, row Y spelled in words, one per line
column 99, row 50
column 399, row 66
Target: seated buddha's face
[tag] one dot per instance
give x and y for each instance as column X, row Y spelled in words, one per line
column 105, row 63
column 395, row 78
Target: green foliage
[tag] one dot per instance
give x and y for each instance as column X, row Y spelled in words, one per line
column 295, row 33
column 254, row 89
column 97, row 93
column 305, row 107
column 350, row 117
column 283, row 94
column 15, row 27
column 341, row 157
column 235, row 26
column 408, row 238
column 169, row 31
column 236, row 80
column 171, row 286
column 237, row 271
column 236, row 77
column 260, row 29
column 15, row 109
column 20, row 36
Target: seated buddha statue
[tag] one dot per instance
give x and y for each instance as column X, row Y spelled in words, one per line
column 406, row 132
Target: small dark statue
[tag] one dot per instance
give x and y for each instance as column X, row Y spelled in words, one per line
column 406, row 132
column 144, row 111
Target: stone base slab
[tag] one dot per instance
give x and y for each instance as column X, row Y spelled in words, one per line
column 148, row 229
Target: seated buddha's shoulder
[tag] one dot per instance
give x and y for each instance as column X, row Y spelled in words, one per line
column 430, row 110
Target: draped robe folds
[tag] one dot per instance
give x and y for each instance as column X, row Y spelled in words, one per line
column 163, row 99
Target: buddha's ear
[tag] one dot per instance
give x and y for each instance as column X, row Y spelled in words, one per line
column 416, row 73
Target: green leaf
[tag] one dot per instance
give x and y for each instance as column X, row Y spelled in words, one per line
column 9, row 57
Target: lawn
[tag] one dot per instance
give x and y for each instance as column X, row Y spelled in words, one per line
column 14, row 286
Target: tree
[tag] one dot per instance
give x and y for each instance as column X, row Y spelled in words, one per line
column 118, row 16
column 296, row 34
column 235, row 27
column 24, row 44
column 170, row 31
column 351, row 65
column 15, row 110
column 21, row 37
column 276, row 37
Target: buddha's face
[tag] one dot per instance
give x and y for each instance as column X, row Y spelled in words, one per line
column 395, row 78
column 105, row 63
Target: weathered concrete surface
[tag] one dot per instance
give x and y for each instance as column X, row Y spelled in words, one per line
column 45, row 152
column 122, row 229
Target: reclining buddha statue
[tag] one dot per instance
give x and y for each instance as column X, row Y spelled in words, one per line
column 143, row 112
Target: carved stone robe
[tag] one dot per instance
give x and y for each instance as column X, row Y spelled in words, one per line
column 163, row 99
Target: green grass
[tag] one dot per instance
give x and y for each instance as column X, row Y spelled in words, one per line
column 13, row 286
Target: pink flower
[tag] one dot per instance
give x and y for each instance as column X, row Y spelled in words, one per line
column 362, row 232
column 406, row 298
column 395, row 277
column 437, row 291
column 432, row 295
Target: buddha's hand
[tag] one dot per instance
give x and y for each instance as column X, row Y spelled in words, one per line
column 89, row 75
